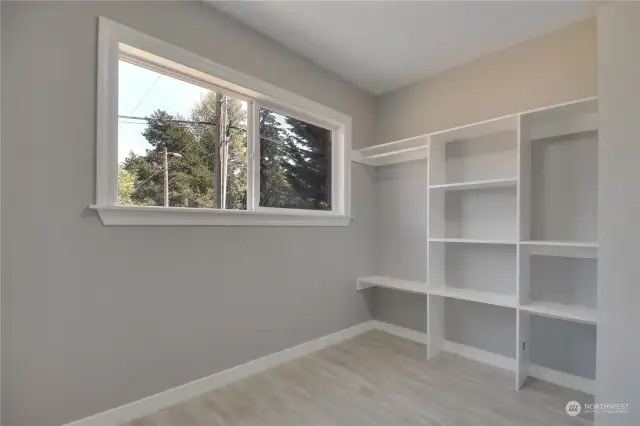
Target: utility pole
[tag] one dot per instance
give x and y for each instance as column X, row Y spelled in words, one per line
column 166, row 176
column 166, row 173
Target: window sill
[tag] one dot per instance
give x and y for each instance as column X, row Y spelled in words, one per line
column 168, row 216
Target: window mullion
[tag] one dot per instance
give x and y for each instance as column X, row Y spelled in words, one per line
column 253, row 157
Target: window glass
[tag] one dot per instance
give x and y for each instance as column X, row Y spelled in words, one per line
column 295, row 163
column 170, row 150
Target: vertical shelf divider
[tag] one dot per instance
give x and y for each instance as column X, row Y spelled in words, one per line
column 435, row 304
column 427, row 248
column 522, row 268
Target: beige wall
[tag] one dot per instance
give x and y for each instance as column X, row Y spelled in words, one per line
column 558, row 67
column 94, row 317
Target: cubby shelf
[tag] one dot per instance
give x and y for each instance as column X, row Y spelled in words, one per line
column 470, row 241
column 586, row 250
column 393, row 283
column 479, row 184
column 489, row 298
column 575, row 313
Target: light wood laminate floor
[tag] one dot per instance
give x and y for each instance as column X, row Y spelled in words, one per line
column 376, row 379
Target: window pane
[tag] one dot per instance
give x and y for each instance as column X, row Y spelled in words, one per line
column 167, row 140
column 295, row 163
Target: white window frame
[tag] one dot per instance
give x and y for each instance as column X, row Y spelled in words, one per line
column 115, row 41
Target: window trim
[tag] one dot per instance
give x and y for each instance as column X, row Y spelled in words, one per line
column 114, row 41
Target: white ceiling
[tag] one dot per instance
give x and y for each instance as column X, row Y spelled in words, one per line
column 382, row 45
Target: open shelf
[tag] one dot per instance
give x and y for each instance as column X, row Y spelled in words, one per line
column 559, row 174
column 415, row 148
column 557, row 350
column 575, row 313
column 394, row 283
column 479, row 153
column 486, row 215
column 484, row 273
column 587, row 250
column 479, row 296
column 562, row 120
column 479, row 184
column 470, row 241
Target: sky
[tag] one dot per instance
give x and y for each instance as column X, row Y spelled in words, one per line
column 140, row 93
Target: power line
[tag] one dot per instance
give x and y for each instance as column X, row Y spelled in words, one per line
column 146, row 120
column 144, row 96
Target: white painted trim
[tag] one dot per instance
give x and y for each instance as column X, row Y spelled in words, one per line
column 152, row 215
column 128, row 412
column 115, row 39
column 1, row 349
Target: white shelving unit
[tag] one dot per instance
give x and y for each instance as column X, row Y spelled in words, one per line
column 511, row 228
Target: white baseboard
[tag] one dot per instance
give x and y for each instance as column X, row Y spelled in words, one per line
column 151, row 404
column 543, row 373
column 396, row 330
column 485, row 357
column 563, row 379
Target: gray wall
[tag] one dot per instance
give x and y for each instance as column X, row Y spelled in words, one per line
column 401, row 230
column 619, row 211
column 401, row 221
column 559, row 67
column 94, row 317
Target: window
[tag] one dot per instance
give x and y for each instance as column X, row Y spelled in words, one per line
column 182, row 140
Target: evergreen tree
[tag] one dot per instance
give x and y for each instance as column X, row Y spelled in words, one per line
column 309, row 167
column 275, row 190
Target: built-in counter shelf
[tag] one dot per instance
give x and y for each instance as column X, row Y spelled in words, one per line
column 393, row 283
column 471, row 295
column 415, row 148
